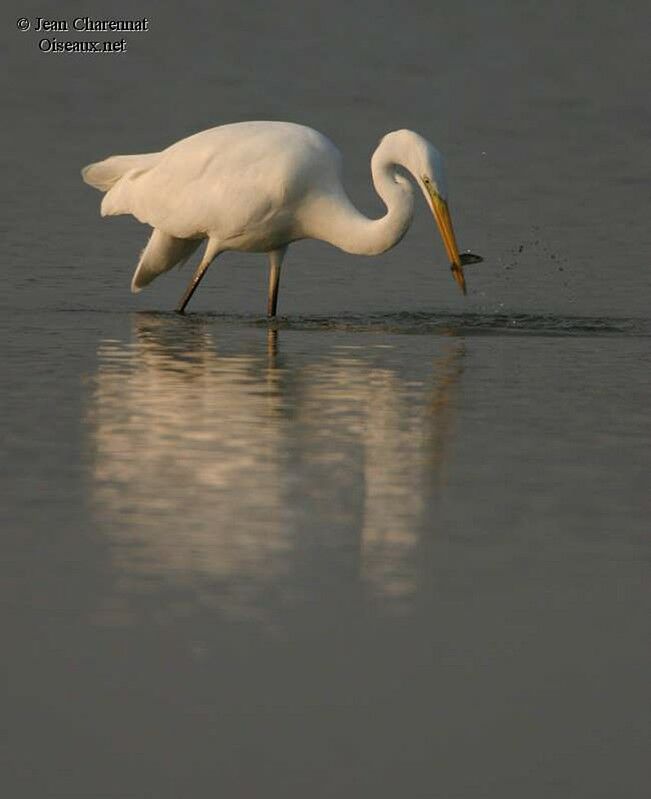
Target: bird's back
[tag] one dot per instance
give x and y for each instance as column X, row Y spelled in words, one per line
column 234, row 180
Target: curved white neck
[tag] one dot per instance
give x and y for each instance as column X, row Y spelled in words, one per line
column 337, row 221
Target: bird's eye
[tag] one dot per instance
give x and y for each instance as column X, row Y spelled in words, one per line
column 426, row 179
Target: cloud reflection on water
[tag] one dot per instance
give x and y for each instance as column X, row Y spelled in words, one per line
column 243, row 477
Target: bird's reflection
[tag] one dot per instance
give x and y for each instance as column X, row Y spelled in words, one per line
column 247, row 476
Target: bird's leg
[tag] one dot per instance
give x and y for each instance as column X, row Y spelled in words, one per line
column 275, row 263
column 209, row 255
column 192, row 286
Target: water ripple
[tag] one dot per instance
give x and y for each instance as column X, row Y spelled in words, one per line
column 427, row 322
column 418, row 322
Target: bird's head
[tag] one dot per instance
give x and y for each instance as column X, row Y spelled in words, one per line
column 425, row 163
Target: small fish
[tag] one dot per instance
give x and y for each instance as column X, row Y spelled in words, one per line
column 470, row 258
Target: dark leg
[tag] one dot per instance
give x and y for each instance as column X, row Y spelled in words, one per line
column 275, row 263
column 209, row 255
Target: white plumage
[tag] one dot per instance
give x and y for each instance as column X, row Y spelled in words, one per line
column 257, row 187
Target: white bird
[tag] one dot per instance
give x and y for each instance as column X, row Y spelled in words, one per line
column 259, row 186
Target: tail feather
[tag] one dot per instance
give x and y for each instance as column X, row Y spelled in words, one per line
column 105, row 174
column 161, row 254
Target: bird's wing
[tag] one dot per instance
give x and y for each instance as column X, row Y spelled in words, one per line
column 134, row 185
column 105, row 174
column 186, row 193
column 225, row 181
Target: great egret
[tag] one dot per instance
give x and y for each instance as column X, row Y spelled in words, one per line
column 257, row 187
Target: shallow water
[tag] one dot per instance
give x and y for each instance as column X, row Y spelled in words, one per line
column 343, row 549
column 394, row 543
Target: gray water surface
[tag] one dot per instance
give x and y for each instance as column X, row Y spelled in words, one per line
column 393, row 544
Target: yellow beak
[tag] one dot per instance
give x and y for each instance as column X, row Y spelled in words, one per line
column 444, row 222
